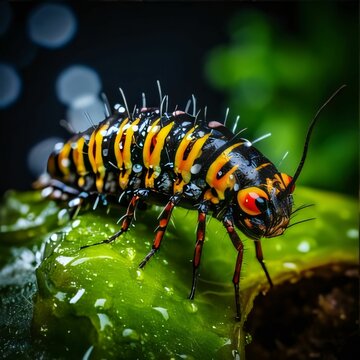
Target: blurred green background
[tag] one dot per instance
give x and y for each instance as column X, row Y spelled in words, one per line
column 276, row 75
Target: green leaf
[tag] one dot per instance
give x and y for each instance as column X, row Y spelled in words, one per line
column 97, row 303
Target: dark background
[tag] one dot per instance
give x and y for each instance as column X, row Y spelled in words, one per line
column 134, row 44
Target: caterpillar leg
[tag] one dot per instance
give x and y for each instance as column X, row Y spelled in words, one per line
column 164, row 219
column 56, row 190
column 260, row 257
column 235, row 239
column 200, row 237
column 75, row 204
column 127, row 219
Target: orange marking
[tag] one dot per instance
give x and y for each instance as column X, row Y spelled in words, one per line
column 122, row 150
column 78, row 157
column 99, row 163
column 81, row 181
column 91, row 152
column 158, row 237
column 183, row 167
column 277, row 182
column 262, row 166
column 248, row 223
column 64, row 161
column 154, row 144
column 126, row 154
column 51, row 164
column 117, row 150
column 226, row 181
column 210, row 197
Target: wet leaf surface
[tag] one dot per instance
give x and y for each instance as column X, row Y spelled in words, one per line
column 96, row 303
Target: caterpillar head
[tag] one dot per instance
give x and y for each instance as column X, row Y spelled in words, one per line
column 264, row 210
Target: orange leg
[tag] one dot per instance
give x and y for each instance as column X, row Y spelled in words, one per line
column 260, row 257
column 235, row 239
column 200, row 237
column 128, row 217
column 164, row 219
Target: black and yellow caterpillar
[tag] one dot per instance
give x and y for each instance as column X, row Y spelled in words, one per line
column 177, row 159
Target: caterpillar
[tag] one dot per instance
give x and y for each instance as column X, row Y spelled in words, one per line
column 178, row 159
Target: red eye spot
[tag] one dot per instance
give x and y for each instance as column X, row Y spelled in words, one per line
column 248, row 200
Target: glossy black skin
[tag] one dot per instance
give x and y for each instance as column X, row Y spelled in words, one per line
column 276, row 210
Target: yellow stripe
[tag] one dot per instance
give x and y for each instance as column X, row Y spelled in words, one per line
column 122, row 150
column 183, row 167
column 154, row 129
column 78, row 156
column 51, row 164
column 262, row 166
column 99, row 163
column 91, row 151
column 226, row 181
column 117, row 151
column 127, row 146
column 152, row 158
column 64, row 161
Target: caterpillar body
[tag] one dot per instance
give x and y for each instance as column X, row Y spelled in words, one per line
column 177, row 159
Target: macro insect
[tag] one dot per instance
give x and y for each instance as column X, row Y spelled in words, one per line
column 177, row 159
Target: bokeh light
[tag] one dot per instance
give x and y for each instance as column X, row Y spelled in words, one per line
column 52, row 25
column 39, row 154
column 10, row 85
column 78, row 87
column 85, row 112
column 77, row 81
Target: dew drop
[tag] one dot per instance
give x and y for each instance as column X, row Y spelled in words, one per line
column 63, row 216
column 64, row 260
column 304, row 246
column 139, row 275
column 77, row 296
column 75, row 223
column 168, row 291
column 100, row 302
column 129, row 253
column 131, row 334
column 104, row 321
column 88, row 353
column 60, row 296
column 191, row 307
column 54, row 237
column 162, row 311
